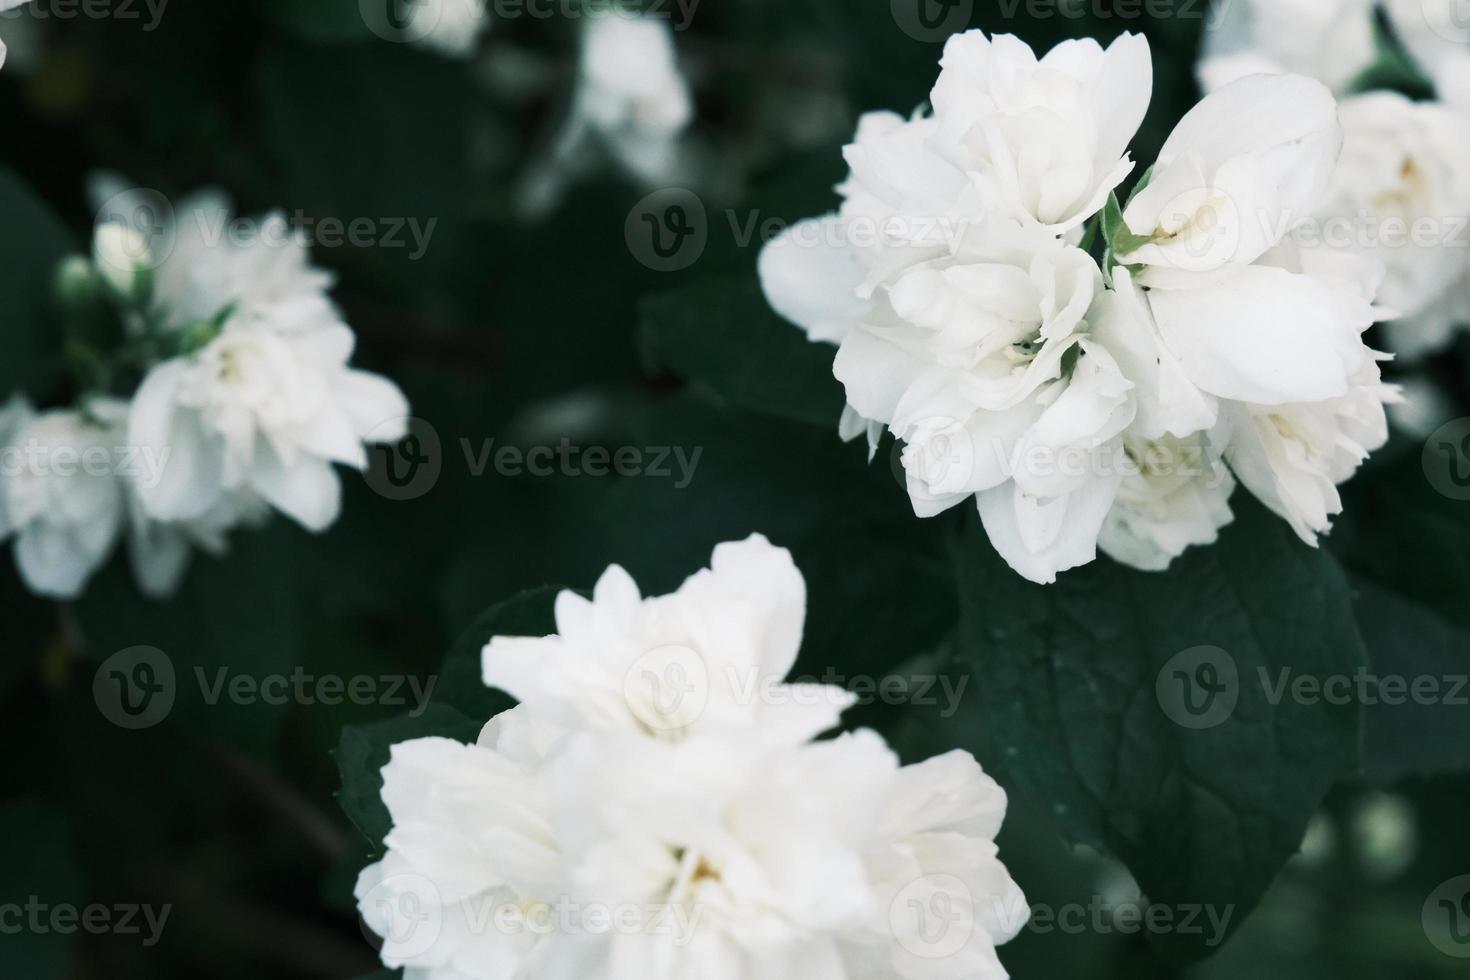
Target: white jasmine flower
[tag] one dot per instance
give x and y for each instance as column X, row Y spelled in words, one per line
column 263, row 411
column 471, row 835
column 1293, row 457
column 713, row 653
column 450, row 27
column 1044, row 139
column 578, row 842
column 1329, row 40
column 631, row 93
column 1175, row 494
column 60, row 495
column 1244, row 167
column 1401, row 195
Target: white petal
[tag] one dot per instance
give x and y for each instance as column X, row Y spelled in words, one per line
column 811, row 276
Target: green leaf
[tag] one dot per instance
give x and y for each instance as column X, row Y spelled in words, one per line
column 1394, row 68
column 460, row 686
column 1117, row 237
column 323, row 21
column 36, row 853
column 1080, row 685
column 724, row 338
column 365, row 750
column 234, row 621
column 31, row 251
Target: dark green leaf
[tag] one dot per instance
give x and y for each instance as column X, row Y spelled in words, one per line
column 1078, row 695
column 36, row 853
column 365, row 750
column 33, row 247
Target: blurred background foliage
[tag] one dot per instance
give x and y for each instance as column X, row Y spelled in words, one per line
column 528, row 330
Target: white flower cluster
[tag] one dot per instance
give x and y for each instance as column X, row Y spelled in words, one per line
column 1085, row 405
column 245, row 403
column 1402, row 192
column 658, row 806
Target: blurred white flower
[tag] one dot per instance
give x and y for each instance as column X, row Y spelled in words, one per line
column 122, row 257
column 1174, row 495
column 631, row 93
column 263, row 410
column 1401, row 195
column 60, row 492
column 1045, row 140
column 450, row 27
column 576, row 842
column 1329, row 40
column 4, row 6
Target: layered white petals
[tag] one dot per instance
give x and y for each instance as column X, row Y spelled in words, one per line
column 576, row 841
column 1044, row 139
column 1174, row 495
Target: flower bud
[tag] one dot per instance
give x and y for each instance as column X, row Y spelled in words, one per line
column 123, row 258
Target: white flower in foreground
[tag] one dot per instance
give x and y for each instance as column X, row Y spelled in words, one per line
column 1240, row 171
column 630, row 91
column 1044, row 139
column 60, row 495
column 576, row 842
column 1174, row 495
column 1329, row 40
column 714, row 653
column 1401, row 195
column 1293, row 457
